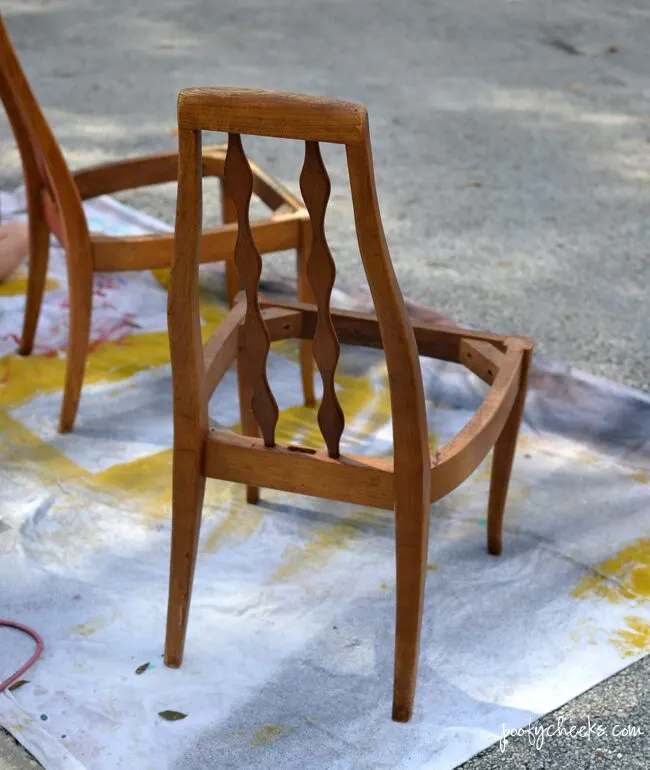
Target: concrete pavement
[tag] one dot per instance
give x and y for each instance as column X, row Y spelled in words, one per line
column 512, row 148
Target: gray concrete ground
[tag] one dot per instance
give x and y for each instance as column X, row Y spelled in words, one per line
column 512, row 147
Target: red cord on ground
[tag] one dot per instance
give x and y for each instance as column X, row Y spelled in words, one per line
column 39, row 649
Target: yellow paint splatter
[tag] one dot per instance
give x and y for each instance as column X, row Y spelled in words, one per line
column 16, row 286
column 518, row 493
column 326, row 542
column 586, row 457
column 162, row 275
column 241, row 522
column 89, row 628
column 380, row 407
column 299, row 424
column 211, row 313
column 147, row 484
column 322, row 546
column 22, row 378
column 635, row 639
column 139, row 476
column 83, row 630
column 266, row 734
column 37, row 459
column 624, row 577
column 485, row 472
column 458, row 498
column 289, row 349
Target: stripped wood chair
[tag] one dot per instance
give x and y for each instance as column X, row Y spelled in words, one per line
column 413, row 479
column 54, row 195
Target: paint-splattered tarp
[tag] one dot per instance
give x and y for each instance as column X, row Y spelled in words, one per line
column 289, row 652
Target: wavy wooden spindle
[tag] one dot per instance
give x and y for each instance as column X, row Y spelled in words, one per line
column 255, row 342
column 321, row 272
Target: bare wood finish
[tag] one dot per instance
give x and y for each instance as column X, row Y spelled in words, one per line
column 272, row 113
column 54, row 195
column 138, row 252
column 245, row 393
column 297, row 469
column 229, row 218
column 304, row 293
column 362, row 329
column 255, row 340
column 282, row 324
column 189, row 393
column 503, row 458
column 321, row 273
column 414, row 477
column 221, row 348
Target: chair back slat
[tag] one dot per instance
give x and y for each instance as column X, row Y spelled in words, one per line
column 254, row 337
column 321, row 273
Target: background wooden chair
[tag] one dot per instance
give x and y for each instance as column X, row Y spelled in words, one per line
column 413, row 479
column 54, row 196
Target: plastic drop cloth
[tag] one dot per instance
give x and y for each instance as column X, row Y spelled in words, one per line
column 290, row 644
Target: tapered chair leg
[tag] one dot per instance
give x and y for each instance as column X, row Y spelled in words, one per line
column 39, row 248
column 187, row 507
column 412, row 536
column 80, row 279
column 502, row 461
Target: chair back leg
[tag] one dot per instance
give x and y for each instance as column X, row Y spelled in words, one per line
column 39, row 250
column 412, row 511
column 502, row 459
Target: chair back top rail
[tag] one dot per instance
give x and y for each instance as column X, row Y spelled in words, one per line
column 272, row 113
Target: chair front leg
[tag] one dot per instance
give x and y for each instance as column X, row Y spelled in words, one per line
column 39, row 248
column 80, row 298
column 187, row 507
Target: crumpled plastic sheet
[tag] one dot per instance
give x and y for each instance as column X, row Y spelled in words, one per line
column 290, row 645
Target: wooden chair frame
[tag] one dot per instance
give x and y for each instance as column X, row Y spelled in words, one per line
column 54, row 204
column 415, row 478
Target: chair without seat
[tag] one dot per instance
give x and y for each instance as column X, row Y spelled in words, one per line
column 413, row 479
column 54, row 195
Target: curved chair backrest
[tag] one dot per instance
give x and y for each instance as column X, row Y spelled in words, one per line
column 312, row 120
column 45, row 170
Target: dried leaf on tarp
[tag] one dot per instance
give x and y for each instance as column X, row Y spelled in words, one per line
column 171, row 716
